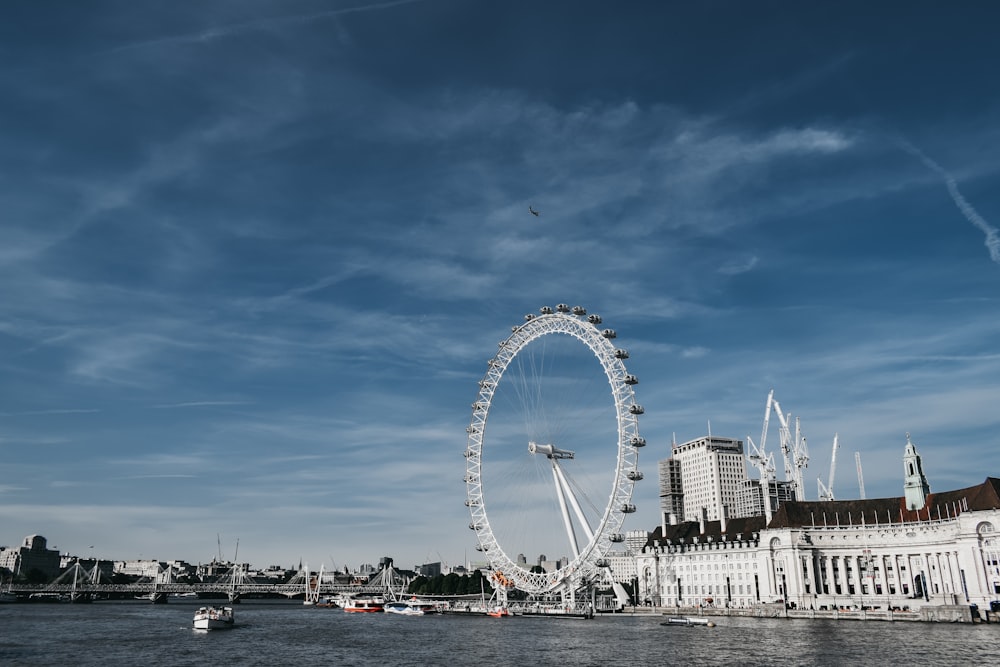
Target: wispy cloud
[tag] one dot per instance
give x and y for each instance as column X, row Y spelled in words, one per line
column 233, row 29
column 200, row 404
column 992, row 241
column 734, row 268
column 53, row 411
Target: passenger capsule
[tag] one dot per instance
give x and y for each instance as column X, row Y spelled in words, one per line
column 628, row 508
column 602, row 562
column 545, row 310
column 472, row 503
column 631, row 379
column 579, row 310
column 471, row 429
column 637, row 441
column 636, row 409
column 529, row 317
column 616, row 537
column 609, row 334
column 471, row 453
column 634, row 475
column 621, row 354
column 562, row 308
column 471, row 478
column 473, row 526
column 479, row 547
column 594, row 319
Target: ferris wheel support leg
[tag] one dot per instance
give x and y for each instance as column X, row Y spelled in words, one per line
column 560, row 491
column 575, row 504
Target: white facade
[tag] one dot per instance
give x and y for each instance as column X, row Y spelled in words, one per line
column 848, row 558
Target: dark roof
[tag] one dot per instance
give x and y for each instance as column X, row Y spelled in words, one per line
column 797, row 514
column 794, row 514
column 687, row 530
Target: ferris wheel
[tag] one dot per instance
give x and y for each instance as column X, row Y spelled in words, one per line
column 552, row 452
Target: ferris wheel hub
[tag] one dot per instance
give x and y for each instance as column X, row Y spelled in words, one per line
column 551, row 451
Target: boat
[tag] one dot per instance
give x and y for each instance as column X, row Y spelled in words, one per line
column 327, row 602
column 411, row 607
column 498, row 612
column 364, row 605
column 189, row 594
column 688, row 620
column 8, row 595
column 213, row 618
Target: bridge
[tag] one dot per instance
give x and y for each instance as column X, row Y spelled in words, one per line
column 79, row 584
column 219, row 588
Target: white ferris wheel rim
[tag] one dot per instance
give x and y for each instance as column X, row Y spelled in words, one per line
column 590, row 559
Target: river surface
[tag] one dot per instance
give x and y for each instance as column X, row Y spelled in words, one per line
column 285, row 633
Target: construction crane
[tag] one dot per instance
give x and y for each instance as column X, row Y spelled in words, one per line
column 764, row 463
column 761, row 460
column 826, row 492
column 861, row 477
column 793, row 450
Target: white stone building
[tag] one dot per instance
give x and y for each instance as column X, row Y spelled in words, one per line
column 839, row 554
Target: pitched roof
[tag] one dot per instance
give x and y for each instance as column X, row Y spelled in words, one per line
column 794, row 514
column 801, row 513
column 686, row 531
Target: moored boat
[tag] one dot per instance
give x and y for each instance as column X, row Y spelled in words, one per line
column 688, row 620
column 213, row 618
column 364, row 605
column 411, row 607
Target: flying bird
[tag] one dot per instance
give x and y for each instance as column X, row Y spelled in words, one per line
column 532, row 211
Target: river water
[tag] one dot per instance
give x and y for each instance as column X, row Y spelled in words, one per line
column 287, row 633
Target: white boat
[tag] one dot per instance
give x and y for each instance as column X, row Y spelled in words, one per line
column 213, row 618
column 362, row 605
column 688, row 620
column 411, row 607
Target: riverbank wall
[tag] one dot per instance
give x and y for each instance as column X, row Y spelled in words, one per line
column 929, row 614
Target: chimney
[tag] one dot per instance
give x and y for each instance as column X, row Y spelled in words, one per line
column 673, row 519
column 725, row 516
column 702, row 519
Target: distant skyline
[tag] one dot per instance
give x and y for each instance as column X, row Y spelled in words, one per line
column 254, row 256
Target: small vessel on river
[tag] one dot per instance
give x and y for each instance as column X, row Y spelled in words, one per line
column 364, row 605
column 411, row 607
column 213, row 618
column 688, row 620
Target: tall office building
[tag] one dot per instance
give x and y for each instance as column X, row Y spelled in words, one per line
column 713, row 470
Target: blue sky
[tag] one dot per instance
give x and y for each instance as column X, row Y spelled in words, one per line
column 255, row 255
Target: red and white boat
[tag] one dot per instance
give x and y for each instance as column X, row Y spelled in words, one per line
column 498, row 612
